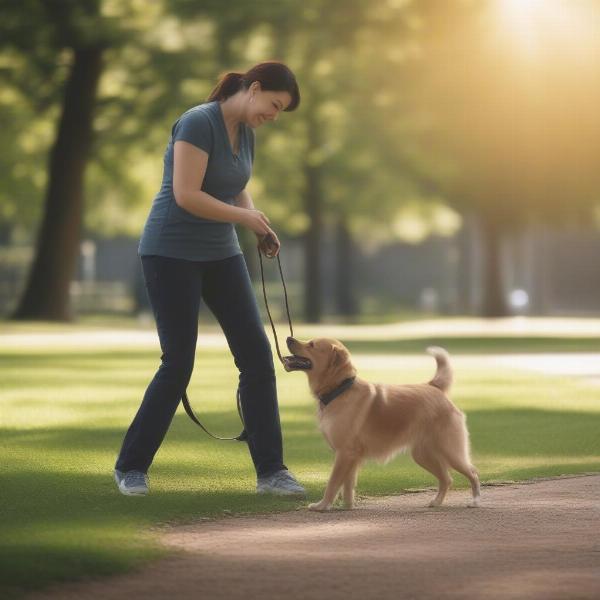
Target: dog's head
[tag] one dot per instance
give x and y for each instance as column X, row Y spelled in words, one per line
column 330, row 360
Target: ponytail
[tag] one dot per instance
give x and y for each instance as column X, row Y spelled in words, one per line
column 230, row 84
column 272, row 75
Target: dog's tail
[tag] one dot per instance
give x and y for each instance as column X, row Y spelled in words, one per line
column 443, row 376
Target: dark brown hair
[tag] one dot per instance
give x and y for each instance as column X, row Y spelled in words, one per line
column 273, row 76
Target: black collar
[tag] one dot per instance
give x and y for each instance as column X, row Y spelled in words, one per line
column 329, row 396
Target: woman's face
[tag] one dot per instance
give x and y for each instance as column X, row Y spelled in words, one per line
column 265, row 105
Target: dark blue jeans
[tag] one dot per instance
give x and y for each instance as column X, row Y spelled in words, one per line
column 175, row 289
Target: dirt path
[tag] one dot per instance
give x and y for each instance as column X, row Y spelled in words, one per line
column 529, row 541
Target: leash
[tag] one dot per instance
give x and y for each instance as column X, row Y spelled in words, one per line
column 287, row 308
column 243, row 436
column 287, row 361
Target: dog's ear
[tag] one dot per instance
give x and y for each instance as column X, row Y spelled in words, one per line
column 339, row 356
column 340, row 360
column 336, row 358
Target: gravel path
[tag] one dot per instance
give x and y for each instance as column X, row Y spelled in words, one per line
column 536, row 540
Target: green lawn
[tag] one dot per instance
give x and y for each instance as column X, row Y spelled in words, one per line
column 64, row 413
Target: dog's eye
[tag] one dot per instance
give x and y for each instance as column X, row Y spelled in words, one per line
column 310, row 344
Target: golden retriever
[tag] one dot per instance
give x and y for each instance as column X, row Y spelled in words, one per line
column 377, row 420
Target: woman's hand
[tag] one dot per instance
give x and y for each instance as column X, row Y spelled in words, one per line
column 256, row 220
column 269, row 244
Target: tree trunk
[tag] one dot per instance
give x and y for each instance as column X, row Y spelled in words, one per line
column 494, row 303
column 313, row 206
column 5, row 234
column 345, row 297
column 312, row 242
column 465, row 269
column 46, row 295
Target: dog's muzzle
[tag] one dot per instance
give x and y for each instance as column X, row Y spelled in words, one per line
column 294, row 362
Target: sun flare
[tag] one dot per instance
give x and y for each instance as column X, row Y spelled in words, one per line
column 543, row 27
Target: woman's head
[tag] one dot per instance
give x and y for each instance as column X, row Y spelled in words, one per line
column 266, row 89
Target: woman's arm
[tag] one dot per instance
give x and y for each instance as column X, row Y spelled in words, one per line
column 189, row 168
column 244, row 199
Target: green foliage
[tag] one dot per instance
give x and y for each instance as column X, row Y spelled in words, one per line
column 163, row 57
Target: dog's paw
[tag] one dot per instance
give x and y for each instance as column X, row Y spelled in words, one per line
column 319, row 506
column 475, row 503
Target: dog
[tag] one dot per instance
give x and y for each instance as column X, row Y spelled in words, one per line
column 362, row 420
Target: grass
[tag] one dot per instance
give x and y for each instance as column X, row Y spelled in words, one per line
column 64, row 413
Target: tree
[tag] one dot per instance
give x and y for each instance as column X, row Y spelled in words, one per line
column 64, row 46
column 45, row 33
column 330, row 166
column 506, row 119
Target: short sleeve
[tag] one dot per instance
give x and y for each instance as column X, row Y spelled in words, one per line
column 194, row 127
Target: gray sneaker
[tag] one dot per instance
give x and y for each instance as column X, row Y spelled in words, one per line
column 132, row 483
column 282, row 483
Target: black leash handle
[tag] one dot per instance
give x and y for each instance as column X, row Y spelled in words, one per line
column 243, row 436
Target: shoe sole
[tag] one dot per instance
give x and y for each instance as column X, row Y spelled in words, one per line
column 127, row 492
column 281, row 493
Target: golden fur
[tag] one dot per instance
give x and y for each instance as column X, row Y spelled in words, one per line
column 377, row 420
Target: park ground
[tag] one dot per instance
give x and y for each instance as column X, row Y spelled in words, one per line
column 530, row 389
column 529, row 541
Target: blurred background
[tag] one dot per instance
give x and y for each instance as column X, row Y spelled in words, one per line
column 444, row 160
column 439, row 184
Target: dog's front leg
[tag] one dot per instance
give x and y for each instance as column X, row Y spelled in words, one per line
column 349, row 485
column 342, row 466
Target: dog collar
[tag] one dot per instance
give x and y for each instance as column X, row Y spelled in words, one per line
column 329, row 396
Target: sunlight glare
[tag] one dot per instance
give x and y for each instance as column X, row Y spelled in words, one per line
column 544, row 26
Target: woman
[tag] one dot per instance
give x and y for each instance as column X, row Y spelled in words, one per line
column 190, row 253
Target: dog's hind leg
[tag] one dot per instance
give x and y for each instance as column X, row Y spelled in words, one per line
column 457, row 455
column 344, row 463
column 464, row 467
column 349, row 485
column 432, row 463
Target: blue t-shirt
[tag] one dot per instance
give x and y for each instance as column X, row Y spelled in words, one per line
column 173, row 231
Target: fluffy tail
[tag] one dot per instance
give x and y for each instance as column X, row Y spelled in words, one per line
column 443, row 375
